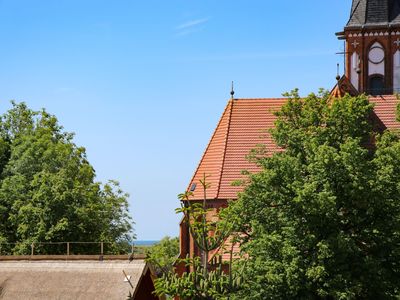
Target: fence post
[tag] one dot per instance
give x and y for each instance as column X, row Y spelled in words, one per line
column 32, row 249
column 101, row 248
column 67, row 248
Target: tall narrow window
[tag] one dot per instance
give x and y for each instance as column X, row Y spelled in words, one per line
column 355, row 70
column 376, row 69
column 396, row 72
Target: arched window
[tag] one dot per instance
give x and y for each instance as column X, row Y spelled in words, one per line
column 376, row 85
column 376, row 69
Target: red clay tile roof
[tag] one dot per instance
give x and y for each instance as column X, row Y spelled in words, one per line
column 242, row 127
column 385, row 109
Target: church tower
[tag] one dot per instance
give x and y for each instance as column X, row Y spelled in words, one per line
column 372, row 37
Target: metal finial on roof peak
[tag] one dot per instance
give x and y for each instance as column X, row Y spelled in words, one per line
column 232, row 91
column 337, row 73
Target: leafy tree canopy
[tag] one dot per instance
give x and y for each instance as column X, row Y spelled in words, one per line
column 322, row 218
column 48, row 191
column 163, row 255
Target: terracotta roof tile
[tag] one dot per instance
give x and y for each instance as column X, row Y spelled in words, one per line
column 212, row 161
column 244, row 125
column 385, row 109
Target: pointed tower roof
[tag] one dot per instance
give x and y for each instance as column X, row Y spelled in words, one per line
column 373, row 13
column 343, row 87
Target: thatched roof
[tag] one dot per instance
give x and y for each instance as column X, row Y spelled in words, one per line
column 68, row 280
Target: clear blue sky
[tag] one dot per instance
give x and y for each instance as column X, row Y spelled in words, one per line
column 143, row 83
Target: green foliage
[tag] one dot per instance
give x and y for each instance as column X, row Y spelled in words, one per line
column 201, row 227
column 48, row 190
column 319, row 120
column 205, row 281
column 208, row 233
column 322, row 219
column 200, row 283
column 163, row 255
column 398, row 112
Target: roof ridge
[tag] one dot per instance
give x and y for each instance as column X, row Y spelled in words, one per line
column 226, row 146
column 271, row 98
column 229, row 105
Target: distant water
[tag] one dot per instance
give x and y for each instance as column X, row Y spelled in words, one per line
column 145, row 243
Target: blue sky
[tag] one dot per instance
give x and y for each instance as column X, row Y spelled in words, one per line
column 143, row 83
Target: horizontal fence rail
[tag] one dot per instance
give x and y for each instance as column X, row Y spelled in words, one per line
column 70, row 250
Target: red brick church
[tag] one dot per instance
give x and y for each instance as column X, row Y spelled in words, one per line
column 372, row 37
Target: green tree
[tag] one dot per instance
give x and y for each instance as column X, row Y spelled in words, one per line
column 163, row 255
column 398, row 110
column 204, row 281
column 48, row 191
column 322, row 218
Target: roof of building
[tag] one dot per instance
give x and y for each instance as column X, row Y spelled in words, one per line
column 68, row 280
column 385, row 110
column 244, row 125
column 343, row 87
column 365, row 13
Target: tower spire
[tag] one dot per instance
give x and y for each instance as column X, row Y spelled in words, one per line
column 337, row 72
column 372, row 55
column 232, row 91
column 374, row 13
